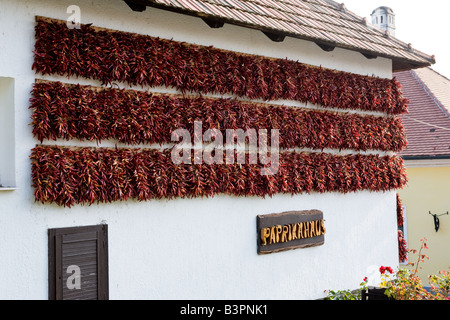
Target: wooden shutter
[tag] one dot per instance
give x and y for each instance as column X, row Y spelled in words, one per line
column 78, row 252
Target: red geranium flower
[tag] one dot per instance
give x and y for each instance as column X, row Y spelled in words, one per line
column 384, row 269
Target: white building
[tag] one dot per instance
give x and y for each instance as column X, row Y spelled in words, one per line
column 190, row 248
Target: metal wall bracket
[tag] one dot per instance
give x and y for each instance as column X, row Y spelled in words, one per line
column 437, row 223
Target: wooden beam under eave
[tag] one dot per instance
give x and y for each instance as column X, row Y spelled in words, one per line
column 275, row 37
column 326, row 47
column 138, row 7
column 369, row 56
column 215, row 24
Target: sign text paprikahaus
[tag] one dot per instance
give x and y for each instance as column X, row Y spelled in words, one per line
column 290, row 230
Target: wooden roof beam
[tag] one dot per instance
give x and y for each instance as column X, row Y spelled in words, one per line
column 215, row 24
column 369, row 56
column 275, row 37
column 135, row 6
column 326, row 47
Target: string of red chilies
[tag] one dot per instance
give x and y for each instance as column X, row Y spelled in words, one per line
column 113, row 56
column 68, row 176
column 402, row 245
column 133, row 117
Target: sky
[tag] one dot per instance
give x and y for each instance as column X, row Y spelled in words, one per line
column 424, row 24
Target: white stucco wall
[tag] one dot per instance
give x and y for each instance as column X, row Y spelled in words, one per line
column 184, row 249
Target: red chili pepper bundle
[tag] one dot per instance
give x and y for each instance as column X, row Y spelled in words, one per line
column 68, row 176
column 87, row 113
column 114, row 56
column 400, row 219
column 402, row 247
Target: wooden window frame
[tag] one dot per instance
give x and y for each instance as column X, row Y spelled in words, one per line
column 55, row 274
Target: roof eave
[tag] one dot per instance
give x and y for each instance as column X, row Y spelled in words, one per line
column 398, row 64
column 426, row 157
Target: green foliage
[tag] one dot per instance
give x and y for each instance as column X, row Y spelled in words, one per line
column 346, row 294
column 343, row 295
column 440, row 286
column 404, row 284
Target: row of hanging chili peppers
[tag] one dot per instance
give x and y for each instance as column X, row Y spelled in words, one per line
column 114, row 56
column 136, row 117
column 402, row 245
column 68, row 176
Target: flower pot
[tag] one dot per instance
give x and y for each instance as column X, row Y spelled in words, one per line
column 374, row 294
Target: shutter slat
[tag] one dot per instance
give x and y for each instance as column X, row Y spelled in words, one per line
column 76, row 237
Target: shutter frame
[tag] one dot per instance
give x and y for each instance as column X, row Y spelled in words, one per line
column 58, row 240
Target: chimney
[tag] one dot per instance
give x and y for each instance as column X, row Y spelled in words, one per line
column 384, row 18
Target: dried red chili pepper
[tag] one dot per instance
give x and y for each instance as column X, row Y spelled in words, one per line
column 68, row 176
column 63, row 111
column 114, row 56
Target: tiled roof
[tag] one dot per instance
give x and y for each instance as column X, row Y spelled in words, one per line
column 438, row 85
column 325, row 22
column 427, row 124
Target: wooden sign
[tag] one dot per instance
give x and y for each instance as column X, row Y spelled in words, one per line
column 290, row 230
